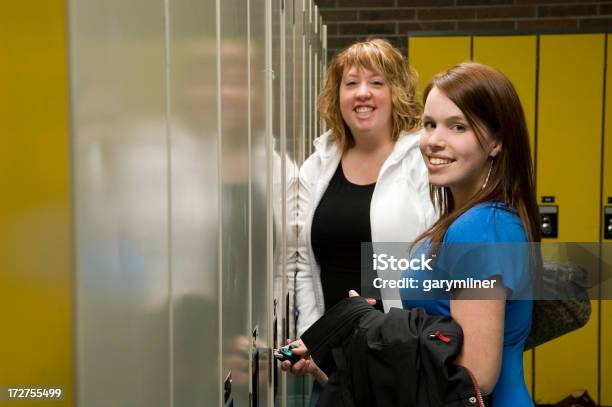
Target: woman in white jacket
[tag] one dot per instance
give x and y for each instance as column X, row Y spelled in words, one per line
column 366, row 180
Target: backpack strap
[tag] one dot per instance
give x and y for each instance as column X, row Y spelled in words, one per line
column 333, row 328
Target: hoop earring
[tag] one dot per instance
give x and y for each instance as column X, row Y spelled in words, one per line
column 488, row 174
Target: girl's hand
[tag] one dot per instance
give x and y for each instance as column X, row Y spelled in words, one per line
column 305, row 365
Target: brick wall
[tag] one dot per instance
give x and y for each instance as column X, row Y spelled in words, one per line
column 351, row 20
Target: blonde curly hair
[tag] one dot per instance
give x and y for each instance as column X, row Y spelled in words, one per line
column 380, row 56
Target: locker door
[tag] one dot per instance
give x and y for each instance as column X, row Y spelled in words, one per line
column 606, row 305
column 194, row 193
column 120, row 155
column 295, row 389
column 569, row 169
column 281, row 119
column 299, row 84
column 310, row 82
column 315, row 72
column 515, row 57
column 324, row 34
column 235, row 189
column 323, row 69
column 430, row 55
column 35, row 222
column 305, row 30
column 263, row 122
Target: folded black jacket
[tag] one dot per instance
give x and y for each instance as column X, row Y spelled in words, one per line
column 400, row 359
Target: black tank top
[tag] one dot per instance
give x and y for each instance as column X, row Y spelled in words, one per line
column 339, row 225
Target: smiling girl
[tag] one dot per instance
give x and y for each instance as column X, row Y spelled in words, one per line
column 365, row 181
column 476, row 148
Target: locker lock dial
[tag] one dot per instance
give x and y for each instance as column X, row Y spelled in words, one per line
column 549, row 217
column 608, row 222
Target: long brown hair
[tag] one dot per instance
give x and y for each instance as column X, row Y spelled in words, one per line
column 379, row 56
column 492, row 107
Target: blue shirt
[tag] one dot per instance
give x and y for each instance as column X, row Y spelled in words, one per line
column 489, row 223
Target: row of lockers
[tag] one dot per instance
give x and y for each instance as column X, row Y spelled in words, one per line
column 152, row 149
column 564, row 82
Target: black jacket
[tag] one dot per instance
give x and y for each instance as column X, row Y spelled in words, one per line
column 400, row 359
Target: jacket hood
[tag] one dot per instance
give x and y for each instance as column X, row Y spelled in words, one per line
column 326, row 145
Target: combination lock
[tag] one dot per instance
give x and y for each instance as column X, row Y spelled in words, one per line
column 549, row 221
column 607, row 222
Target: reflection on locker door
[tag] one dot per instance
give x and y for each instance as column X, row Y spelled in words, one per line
column 263, row 119
column 235, row 199
column 431, row 55
column 515, row 57
column 568, row 173
column 605, row 357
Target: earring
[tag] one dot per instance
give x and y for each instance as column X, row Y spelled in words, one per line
column 488, row 174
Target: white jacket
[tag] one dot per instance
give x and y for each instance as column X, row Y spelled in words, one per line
column 400, row 210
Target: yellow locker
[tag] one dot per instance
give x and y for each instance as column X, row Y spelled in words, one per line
column 569, row 169
column 35, row 231
column 431, row 55
column 606, row 305
column 515, row 57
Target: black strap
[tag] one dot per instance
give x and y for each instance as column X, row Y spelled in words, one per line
column 333, row 327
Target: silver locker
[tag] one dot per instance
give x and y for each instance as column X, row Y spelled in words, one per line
column 121, row 202
column 236, row 341
column 194, row 191
column 260, row 202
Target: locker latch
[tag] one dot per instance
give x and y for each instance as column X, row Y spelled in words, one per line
column 254, row 395
column 227, row 390
column 549, row 221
